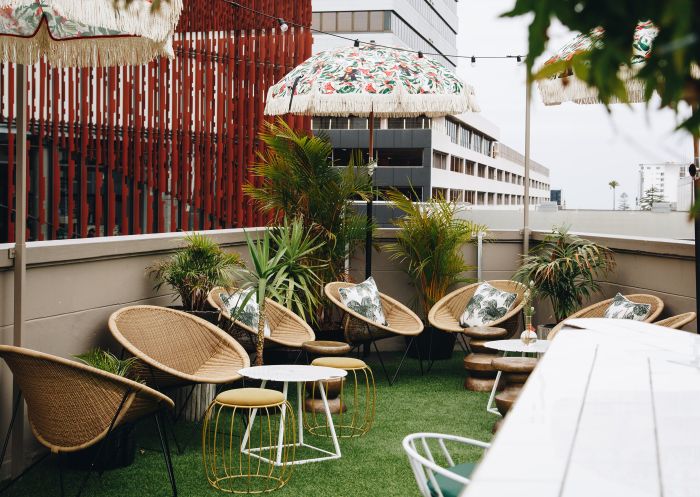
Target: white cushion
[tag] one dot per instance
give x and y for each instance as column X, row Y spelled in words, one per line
column 488, row 304
column 623, row 308
column 363, row 298
column 250, row 314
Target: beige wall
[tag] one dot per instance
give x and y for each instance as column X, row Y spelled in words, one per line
column 74, row 285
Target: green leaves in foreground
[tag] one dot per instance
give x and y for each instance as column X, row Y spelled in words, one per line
column 106, row 361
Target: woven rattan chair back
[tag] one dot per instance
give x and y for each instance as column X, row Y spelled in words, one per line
column 400, row 319
column 678, row 321
column 598, row 310
column 174, row 347
column 286, row 328
column 71, row 405
column 446, row 312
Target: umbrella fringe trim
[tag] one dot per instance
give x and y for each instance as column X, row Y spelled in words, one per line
column 396, row 104
column 92, row 52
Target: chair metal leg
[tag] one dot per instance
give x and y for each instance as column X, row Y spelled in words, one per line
column 166, row 453
column 102, row 442
column 9, row 430
column 393, row 380
column 60, row 473
column 420, row 354
column 381, row 359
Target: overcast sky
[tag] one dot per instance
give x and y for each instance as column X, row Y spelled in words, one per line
column 584, row 146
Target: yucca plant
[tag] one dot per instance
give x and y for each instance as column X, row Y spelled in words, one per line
column 299, row 180
column 194, row 270
column 299, row 289
column 106, row 361
column 429, row 245
column 565, row 269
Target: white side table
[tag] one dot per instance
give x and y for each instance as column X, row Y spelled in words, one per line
column 514, row 345
column 294, row 374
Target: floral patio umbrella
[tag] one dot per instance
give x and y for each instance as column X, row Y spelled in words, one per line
column 372, row 81
column 86, row 32
column 566, row 88
column 358, row 81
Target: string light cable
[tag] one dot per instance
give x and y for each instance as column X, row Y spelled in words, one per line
column 284, row 26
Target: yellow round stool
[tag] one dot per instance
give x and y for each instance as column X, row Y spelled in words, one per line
column 248, row 438
column 356, row 404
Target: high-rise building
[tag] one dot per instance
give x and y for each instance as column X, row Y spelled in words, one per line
column 457, row 157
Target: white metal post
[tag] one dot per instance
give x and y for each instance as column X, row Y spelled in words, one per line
column 526, row 202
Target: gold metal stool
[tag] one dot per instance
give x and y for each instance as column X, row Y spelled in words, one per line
column 357, row 399
column 248, row 437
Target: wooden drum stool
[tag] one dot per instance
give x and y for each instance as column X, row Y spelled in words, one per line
column 481, row 375
column 354, row 402
column 236, row 420
column 514, row 374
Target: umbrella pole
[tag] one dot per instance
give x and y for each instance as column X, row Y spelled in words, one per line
column 20, row 263
column 526, row 199
column 696, row 161
column 370, row 213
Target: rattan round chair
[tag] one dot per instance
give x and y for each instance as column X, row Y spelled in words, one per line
column 598, row 310
column 174, row 348
column 358, row 329
column 286, row 328
column 72, row 406
column 446, row 312
column 678, row 321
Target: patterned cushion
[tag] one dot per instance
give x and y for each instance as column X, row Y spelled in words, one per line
column 250, row 314
column 487, row 305
column 623, row 308
column 363, row 298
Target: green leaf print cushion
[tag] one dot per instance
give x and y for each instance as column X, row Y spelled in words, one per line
column 247, row 312
column 487, row 305
column 363, row 298
column 623, row 308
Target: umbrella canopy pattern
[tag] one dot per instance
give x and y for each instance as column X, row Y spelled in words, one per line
column 359, row 80
column 566, row 88
column 80, row 33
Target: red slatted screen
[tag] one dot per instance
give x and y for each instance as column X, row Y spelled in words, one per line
column 155, row 148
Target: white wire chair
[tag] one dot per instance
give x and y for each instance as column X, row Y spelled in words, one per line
column 431, row 476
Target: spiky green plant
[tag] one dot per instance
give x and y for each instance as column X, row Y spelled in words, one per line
column 106, row 361
column 429, row 245
column 565, row 269
column 299, row 180
column 194, row 270
column 299, row 289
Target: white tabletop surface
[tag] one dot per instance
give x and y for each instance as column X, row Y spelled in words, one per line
column 517, row 345
column 292, row 372
column 613, row 409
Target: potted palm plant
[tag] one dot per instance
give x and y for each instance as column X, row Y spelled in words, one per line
column 119, row 449
column 429, row 246
column 193, row 270
column 565, row 269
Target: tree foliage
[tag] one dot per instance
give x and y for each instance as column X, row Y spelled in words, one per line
column 652, row 196
column 624, row 202
column 668, row 71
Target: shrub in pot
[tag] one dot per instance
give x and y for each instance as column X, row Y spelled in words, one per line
column 193, row 270
column 119, row 450
column 565, row 269
column 429, row 248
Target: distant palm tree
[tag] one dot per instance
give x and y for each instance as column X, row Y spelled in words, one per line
column 613, row 184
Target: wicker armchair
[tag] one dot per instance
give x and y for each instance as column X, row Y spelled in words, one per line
column 358, row 329
column 286, row 328
column 678, row 321
column 446, row 312
column 177, row 349
column 598, row 310
column 72, row 406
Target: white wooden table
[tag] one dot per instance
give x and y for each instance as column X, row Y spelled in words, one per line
column 298, row 374
column 612, row 409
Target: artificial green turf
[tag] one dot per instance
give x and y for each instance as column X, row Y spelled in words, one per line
column 372, row 465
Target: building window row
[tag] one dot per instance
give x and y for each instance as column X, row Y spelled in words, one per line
column 465, row 166
column 420, row 122
column 467, row 137
column 360, row 21
column 473, row 197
